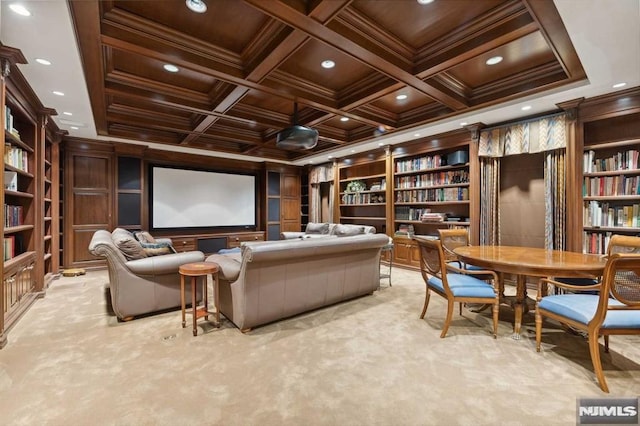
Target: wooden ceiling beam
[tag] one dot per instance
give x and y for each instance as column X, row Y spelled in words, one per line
column 301, row 22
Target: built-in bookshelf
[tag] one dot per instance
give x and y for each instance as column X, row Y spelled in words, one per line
column 429, row 193
column 610, row 180
column 28, row 195
column 363, row 191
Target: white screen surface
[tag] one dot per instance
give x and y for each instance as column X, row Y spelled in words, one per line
column 190, row 198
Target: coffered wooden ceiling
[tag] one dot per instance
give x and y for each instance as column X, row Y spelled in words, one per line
column 244, row 63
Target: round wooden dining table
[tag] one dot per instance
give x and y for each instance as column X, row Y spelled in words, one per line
column 526, row 262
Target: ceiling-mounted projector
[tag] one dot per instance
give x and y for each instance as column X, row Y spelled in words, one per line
column 297, row 136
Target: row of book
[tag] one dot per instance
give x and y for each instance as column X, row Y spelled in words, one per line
column 430, row 179
column 16, row 157
column 421, row 163
column 405, row 230
column 596, row 242
column 410, row 213
column 431, row 195
column 603, row 214
column 622, row 160
column 13, row 216
column 611, row 185
column 362, row 198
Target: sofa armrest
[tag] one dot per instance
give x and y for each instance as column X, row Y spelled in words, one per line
column 290, row 235
column 163, row 264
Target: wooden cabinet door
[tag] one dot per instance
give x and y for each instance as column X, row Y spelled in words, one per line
column 290, row 202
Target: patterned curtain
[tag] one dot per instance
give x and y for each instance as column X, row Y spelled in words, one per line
column 555, row 207
column 490, row 201
column 317, row 175
column 546, row 134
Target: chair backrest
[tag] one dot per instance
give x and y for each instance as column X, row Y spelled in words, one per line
column 452, row 239
column 621, row 277
column 431, row 258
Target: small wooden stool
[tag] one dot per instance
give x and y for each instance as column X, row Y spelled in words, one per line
column 196, row 270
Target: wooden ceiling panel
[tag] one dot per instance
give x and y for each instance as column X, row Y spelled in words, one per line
column 305, row 65
column 420, row 24
column 518, row 56
column 229, row 24
column 245, row 63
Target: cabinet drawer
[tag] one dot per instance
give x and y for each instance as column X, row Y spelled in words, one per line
column 184, row 244
column 238, row 239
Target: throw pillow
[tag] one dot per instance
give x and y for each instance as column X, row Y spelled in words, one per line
column 127, row 244
column 317, row 228
column 348, row 230
column 144, row 237
column 157, row 249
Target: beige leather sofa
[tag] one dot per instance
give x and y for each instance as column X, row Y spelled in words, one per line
column 144, row 285
column 272, row 280
column 317, row 229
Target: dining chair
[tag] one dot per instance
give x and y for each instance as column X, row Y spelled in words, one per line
column 615, row 309
column 452, row 239
column 454, row 284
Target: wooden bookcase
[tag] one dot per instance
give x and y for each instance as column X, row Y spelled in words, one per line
column 362, row 194
column 610, row 170
column 28, row 196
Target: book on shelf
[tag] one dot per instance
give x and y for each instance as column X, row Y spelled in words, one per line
column 433, row 217
column 405, row 230
column 10, row 181
column 9, row 247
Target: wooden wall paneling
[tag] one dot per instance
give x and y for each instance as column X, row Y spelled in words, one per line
column 290, row 202
column 89, row 200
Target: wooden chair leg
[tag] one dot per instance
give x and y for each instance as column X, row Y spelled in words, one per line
column 594, row 349
column 426, row 303
column 538, row 330
column 496, row 310
column 447, row 321
column 606, row 343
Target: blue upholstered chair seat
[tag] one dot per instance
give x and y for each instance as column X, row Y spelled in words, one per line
column 582, row 308
column 463, row 286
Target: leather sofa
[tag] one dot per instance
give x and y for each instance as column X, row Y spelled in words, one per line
column 145, row 285
column 326, row 229
column 272, row 280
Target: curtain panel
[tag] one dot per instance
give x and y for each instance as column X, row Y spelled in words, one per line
column 547, row 134
column 318, row 175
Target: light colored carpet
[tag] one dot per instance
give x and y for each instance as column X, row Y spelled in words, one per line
column 370, row 361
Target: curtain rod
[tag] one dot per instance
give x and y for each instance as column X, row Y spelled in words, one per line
column 528, row 120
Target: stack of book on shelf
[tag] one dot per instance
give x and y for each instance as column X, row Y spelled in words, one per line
column 405, row 231
column 433, row 217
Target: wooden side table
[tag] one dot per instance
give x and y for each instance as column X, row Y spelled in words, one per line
column 199, row 270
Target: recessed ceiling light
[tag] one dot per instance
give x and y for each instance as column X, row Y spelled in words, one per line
column 197, row 6
column 425, row 1
column 170, row 68
column 619, row 85
column 464, row 123
column 43, row 61
column 330, row 156
column 526, row 108
column 55, row 92
column 353, row 150
column 19, row 9
column 328, row 64
column 74, row 127
column 401, row 97
column 67, row 113
column 380, row 143
column 344, row 119
column 494, row 60
column 416, row 135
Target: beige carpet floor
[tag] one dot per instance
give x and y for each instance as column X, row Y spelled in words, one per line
column 370, row 361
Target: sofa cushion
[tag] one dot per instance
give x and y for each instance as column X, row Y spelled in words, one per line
column 342, row 230
column 144, row 237
column 127, row 244
column 317, row 228
column 157, row 249
column 229, row 265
